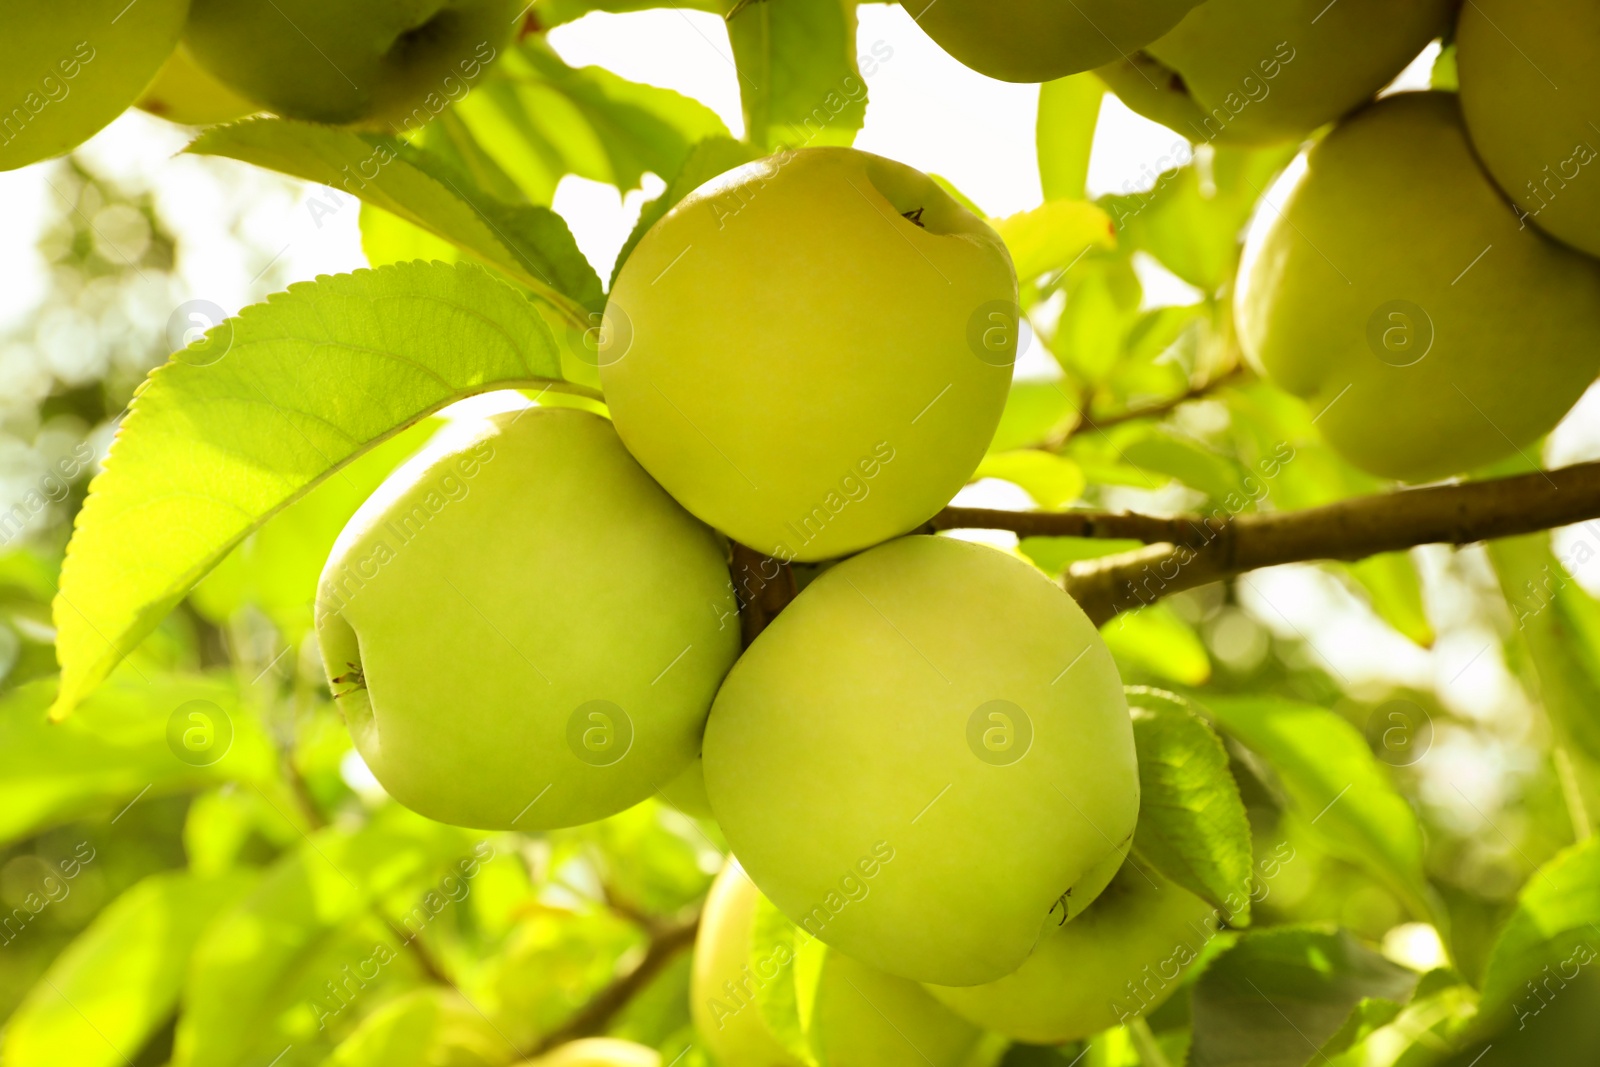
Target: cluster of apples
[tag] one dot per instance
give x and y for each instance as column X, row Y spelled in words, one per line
column 66, row 70
column 1426, row 279
column 925, row 762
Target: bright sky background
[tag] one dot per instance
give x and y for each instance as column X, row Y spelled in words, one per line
column 926, row 110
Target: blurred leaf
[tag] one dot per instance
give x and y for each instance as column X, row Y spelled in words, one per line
column 249, row 420
column 798, row 77
column 786, row 1005
column 429, row 1027
column 1381, row 1033
column 1054, row 555
column 451, row 140
column 1154, row 638
column 549, row 13
column 1192, row 824
column 539, row 120
column 1274, row 997
column 117, row 747
column 1553, row 934
column 1052, row 481
column 1334, row 781
column 1395, row 592
column 1157, row 448
column 1103, row 296
column 1444, row 75
column 1193, row 219
column 118, row 982
column 1034, row 413
column 652, row 857
column 705, row 161
column 280, row 968
column 276, row 568
column 1052, row 237
column 1069, row 110
column 530, row 244
column 387, row 238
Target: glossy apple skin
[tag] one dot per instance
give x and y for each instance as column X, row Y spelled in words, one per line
column 1245, row 72
column 1124, row 956
column 598, row 1052
column 723, row 982
column 864, row 1017
column 848, row 759
column 379, row 63
column 68, row 69
column 489, row 591
column 1041, row 40
column 1429, row 331
column 802, row 367
column 183, row 92
column 1533, row 137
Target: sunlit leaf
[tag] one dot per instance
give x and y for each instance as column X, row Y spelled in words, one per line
column 1052, row 481
column 1552, row 936
column 246, row 422
column 787, row 1004
column 1155, row 639
column 429, row 1027
column 1069, row 110
column 798, row 75
column 1192, row 824
column 1051, row 238
column 118, row 982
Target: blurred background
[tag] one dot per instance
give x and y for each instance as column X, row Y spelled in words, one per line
column 108, row 254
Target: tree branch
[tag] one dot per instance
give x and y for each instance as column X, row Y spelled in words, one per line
column 765, row 586
column 1209, row 548
column 1089, row 424
column 596, row 1015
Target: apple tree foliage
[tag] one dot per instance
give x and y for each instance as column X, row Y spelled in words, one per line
column 163, row 904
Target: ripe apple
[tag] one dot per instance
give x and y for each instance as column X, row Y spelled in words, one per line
column 598, row 1052
column 1041, row 40
column 66, row 70
column 1532, row 107
column 1397, row 292
column 1258, row 71
column 864, row 1017
column 1122, row 957
column 724, row 982
column 522, row 630
column 811, row 352
column 382, row 63
column 184, row 93
column 925, row 758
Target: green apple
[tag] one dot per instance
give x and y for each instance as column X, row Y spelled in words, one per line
column 687, row 792
column 1530, row 91
column 598, row 1052
column 811, row 352
column 925, row 759
column 1258, row 71
column 1041, row 40
column 1398, row 293
column 864, row 1017
column 1121, row 958
column 66, row 70
column 183, row 92
column 522, row 630
column 725, row 980
column 389, row 64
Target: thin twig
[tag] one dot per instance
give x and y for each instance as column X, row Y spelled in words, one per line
column 1087, row 423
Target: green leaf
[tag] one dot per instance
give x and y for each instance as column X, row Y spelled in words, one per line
column 1193, row 219
column 1381, row 1033
column 115, row 749
column 1552, row 935
column 429, row 1027
column 798, row 78
column 786, row 1004
column 1192, row 824
column 706, row 160
column 550, row 13
column 1052, row 481
column 1277, row 995
column 1103, row 297
column 387, row 238
column 1034, row 413
column 275, row 569
column 1333, row 780
column 540, row 120
column 104, row 997
column 1069, row 111
column 1054, row 555
column 1155, row 639
column 1395, row 593
column 1156, row 448
column 246, row 422
column 271, row 973
column 1052, row 237
column 529, row 244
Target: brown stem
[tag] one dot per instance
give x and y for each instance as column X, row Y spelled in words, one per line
column 765, row 586
column 594, row 1016
column 1220, row 546
column 1087, row 423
